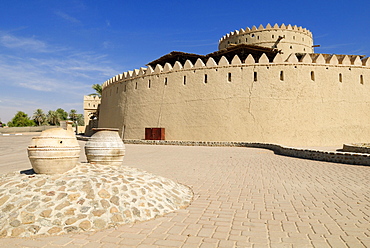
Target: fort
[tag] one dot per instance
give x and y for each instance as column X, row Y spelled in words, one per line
column 264, row 84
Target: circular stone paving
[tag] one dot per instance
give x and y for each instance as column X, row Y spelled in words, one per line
column 89, row 197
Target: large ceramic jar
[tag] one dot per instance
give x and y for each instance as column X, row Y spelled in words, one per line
column 105, row 147
column 55, row 151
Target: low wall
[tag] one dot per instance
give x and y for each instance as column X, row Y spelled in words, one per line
column 319, row 155
column 361, row 148
column 25, row 129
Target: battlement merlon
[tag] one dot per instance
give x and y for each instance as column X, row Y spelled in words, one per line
column 287, row 39
column 268, row 27
column 92, row 98
column 306, row 59
column 91, row 102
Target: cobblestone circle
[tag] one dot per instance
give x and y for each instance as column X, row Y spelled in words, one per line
column 89, row 197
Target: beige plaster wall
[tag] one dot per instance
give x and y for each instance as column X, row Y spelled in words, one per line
column 291, row 109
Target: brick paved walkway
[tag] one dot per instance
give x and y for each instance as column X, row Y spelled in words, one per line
column 244, row 197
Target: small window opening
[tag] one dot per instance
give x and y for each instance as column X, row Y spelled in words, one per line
column 89, row 104
column 252, row 35
column 229, row 77
column 258, row 37
column 184, row 80
column 124, row 89
column 361, row 79
column 117, row 90
column 149, row 84
column 205, row 78
column 312, row 75
column 246, row 40
column 340, row 77
column 136, row 86
column 273, row 36
column 255, row 76
column 291, row 47
column 281, row 75
column 293, row 37
column 165, row 81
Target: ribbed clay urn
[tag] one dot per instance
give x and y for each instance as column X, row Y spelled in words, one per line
column 55, row 151
column 105, row 147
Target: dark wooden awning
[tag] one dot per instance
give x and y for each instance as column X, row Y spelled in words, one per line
column 242, row 50
column 174, row 56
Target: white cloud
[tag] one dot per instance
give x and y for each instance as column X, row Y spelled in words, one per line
column 107, row 44
column 29, row 44
column 47, row 80
column 51, row 71
column 51, row 74
column 67, row 17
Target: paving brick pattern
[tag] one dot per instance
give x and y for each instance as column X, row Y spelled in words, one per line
column 244, row 197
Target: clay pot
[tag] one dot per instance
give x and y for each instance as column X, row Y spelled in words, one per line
column 55, row 151
column 105, row 147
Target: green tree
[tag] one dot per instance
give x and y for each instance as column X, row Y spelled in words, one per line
column 77, row 119
column 80, row 120
column 53, row 118
column 21, row 119
column 63, row 115
column 39, row 117
column 98, row 90
column 73, row 115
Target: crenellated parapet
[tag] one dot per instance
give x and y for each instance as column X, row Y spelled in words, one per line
column 268, row 27
column 92, row 98
column 288, row 39
column 91, row 104
column 306, row 59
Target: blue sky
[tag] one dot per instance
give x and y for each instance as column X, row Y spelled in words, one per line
column 51, row 52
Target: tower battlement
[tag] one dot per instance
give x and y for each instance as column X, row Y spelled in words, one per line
column 254, row 29
column 288, row 39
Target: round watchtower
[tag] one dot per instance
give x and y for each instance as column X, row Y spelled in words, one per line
column 288, row 39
